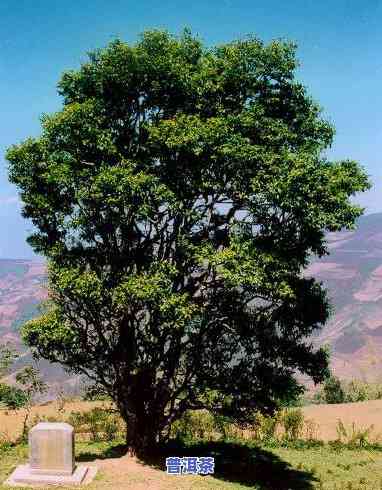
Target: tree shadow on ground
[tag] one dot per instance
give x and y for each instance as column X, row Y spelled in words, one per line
column 248, row 465
column 108, row 453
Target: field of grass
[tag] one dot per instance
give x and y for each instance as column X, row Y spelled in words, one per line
column 239, row 464
column 118, row 471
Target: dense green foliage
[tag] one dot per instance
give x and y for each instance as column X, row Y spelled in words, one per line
column 333, row 390
column 178, row 196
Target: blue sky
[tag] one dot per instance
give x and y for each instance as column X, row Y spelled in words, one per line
column 339, row 50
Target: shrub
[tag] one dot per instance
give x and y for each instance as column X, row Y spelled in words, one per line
column 267, row 426
column 12, row 397
column 5, row 443
column 341, row 431
column 333, row 390
column 199, row 424
column 111, row 428
column 359, row 391
column 292, row 421
column 100, row 423
column 223, row 425
column 265, row 430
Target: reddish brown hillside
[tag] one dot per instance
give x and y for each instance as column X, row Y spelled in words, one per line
column 21, row 291
column 352, row 274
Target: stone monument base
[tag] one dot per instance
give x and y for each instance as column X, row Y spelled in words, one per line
column 24, row 476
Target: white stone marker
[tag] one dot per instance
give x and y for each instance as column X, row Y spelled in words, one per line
column 51, row 449
column 51, row 458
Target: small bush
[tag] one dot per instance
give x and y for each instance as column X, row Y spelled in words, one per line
column 267, row 426
column 333, row 391
column 311, row 430
column 359, row 391
column 201, row 424
column 284, row 428
column 111, row 428
column 223, row 425
column 12, row 397
column 100, row 423
column 292, row 421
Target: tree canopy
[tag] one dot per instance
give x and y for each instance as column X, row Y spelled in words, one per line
column 178, row 196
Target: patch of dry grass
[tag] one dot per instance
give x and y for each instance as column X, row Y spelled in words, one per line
column 11, row 421
column 363, row 414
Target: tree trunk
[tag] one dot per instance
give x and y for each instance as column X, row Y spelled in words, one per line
column 141, row 411
column 142, row 434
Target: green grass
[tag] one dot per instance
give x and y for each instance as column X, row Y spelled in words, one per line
column 337, row 469
column 241, row 466
column 88, row 452
column 10, row 459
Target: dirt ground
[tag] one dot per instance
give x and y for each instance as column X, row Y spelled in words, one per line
column 130, row 473
column 363, row 414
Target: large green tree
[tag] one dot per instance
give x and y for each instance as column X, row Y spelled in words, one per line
column 178, row 196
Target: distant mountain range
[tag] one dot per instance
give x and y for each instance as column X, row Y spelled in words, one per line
column 352, row 273
column 21, row 292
